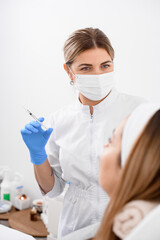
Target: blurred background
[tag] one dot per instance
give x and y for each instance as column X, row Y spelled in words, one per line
column 32, row 34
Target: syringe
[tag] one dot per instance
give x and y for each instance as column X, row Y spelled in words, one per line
column 33, row 116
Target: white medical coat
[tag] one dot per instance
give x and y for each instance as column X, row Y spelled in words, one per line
column 74, row 151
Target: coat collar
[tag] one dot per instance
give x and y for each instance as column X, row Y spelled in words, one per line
column 107, row 101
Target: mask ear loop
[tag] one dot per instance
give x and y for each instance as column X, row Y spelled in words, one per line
column 71, row 82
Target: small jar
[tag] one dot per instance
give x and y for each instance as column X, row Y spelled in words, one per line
column 33, row 214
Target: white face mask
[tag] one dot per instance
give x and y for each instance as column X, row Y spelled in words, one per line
column 94, row 87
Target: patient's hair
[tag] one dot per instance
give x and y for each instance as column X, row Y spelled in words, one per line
column 140, row 178
column 84, row 39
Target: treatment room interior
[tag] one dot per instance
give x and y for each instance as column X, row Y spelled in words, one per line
column 32, row 34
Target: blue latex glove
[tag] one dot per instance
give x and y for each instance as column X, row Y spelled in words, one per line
column 36, row 138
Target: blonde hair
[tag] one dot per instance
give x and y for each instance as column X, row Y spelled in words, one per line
column 84, row 39
column 140, row 178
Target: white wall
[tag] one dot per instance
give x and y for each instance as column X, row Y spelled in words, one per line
column 32, row 33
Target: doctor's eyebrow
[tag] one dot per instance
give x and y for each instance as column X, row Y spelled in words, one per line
column 89, row 65
column 109, row 61
column 85, row 64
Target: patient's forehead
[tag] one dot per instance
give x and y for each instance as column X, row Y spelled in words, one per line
column 120, row 127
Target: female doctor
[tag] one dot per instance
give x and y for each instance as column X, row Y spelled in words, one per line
column 80, row 131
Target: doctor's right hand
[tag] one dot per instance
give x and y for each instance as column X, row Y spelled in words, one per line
column 36, row 138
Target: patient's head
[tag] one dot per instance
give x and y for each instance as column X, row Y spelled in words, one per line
column 130, row 164
column 133, row 154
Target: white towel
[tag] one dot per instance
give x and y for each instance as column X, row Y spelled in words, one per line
column 134, row 126
column 130, row 216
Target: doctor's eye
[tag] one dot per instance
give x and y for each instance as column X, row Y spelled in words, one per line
column 105, row 66
column 84, row 69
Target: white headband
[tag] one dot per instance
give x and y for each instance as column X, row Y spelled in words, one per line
column 134, row 126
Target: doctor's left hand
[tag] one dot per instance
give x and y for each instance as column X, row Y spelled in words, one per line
column 35, row 139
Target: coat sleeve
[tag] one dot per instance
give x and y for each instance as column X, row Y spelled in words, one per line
column 52, row 150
